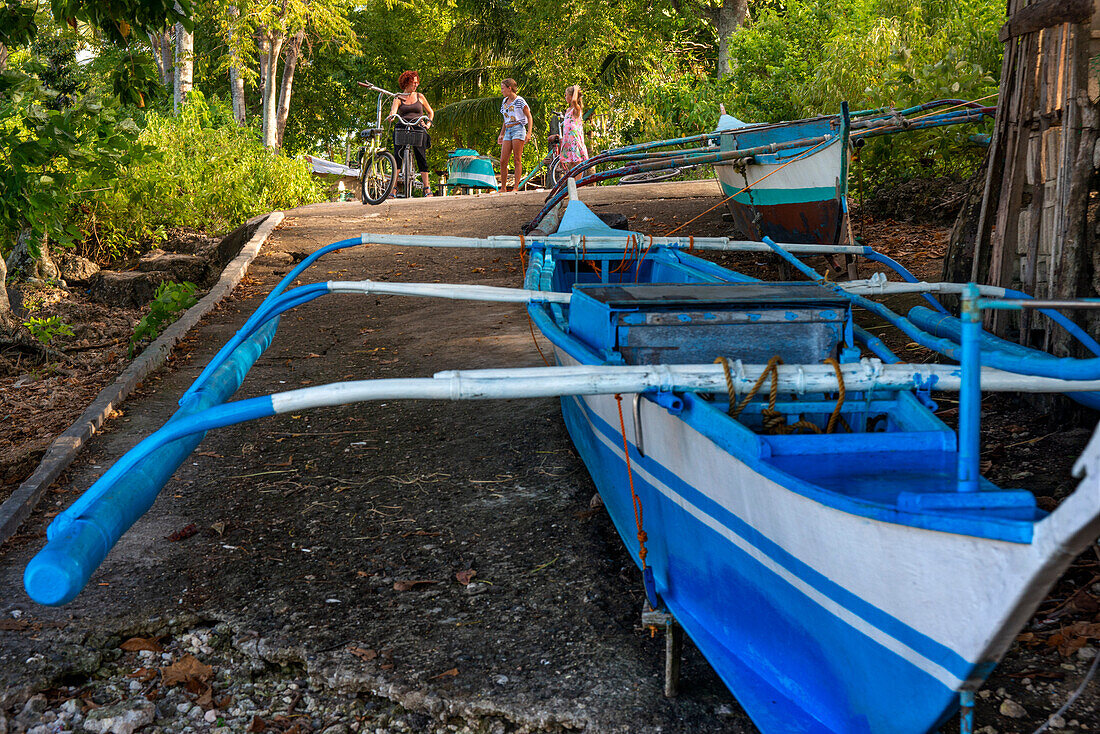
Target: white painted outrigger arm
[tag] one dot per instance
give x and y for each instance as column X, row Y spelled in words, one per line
column 620, row 242
column 533, row 382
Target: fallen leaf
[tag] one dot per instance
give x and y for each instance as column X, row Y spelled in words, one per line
column 407, row 585
column 446, row 673
column 14, row 624
column 141, row 643
column 218, row 527
column 256, row 725
column 465, row 577
column 206, row 698
column 183, row 533
column 363, row 654
column 186, row 669
column 144, row 674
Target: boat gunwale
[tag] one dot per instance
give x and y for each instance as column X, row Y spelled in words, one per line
column 752, row 449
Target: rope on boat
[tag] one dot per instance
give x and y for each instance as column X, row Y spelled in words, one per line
column 642, row 537
column 775, row 421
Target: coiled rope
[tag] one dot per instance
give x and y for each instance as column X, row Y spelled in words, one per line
column 775, row 421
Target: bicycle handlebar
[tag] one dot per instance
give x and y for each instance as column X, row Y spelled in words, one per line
column 406, row 123
column 374, row 88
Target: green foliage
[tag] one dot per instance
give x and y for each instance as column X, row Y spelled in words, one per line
column 17, row 23
column 803, row 58
column 207, row 173
column 47, row 329
column 170, row 301
column 53, row 156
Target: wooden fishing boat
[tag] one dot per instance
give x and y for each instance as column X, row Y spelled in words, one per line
column 796, row 194
column 467, row 169
column 837, row 582
column 825, row 540
column 785, row 180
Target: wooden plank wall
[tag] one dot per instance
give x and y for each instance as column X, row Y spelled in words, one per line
column 1032, row 227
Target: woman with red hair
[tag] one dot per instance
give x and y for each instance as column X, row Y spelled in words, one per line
column 409, row 106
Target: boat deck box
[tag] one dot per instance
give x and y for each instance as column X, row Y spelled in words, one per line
column 678, row 323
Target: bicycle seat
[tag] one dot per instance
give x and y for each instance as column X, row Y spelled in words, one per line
column 554, row 139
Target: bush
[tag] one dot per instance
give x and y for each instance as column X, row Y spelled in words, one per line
column 801, row 58
column 207, row 173
column 170, row 300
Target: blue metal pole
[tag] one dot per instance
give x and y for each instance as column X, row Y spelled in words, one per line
column 970, row 393
column 966, row 712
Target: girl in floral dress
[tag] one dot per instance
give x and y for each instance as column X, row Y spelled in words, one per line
column 573, row 150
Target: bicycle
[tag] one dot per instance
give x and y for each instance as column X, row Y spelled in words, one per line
column 556, row 168
column 377, row 166
column 409, row 134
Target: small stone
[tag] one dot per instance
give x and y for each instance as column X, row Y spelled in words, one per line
column 987, row 730
column 500, row 680
column 984, row 694
column 122, row 718
column 195, row 712
column 474, row 588
column 1057, row 722
column 72, row 706
column 184, row 707
column 1086, row 653
column 211, row 716
column 1012, row 710
column 336, row 729
column 34, row 706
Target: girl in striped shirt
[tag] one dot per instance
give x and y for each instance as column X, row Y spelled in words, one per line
column 514, row 131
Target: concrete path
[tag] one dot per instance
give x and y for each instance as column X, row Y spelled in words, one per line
column 310, row 527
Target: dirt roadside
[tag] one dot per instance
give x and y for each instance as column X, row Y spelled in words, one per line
column 328, row 547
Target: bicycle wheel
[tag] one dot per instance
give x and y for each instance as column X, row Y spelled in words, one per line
column 377, row 175
column 650, row 176
column 556, row 172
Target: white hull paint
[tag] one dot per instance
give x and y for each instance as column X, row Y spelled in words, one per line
column 969, row 595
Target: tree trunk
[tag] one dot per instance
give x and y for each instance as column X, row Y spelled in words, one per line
column 263, row 44
column 167, row 53
column 185, row 66
column 236, row 82
column 292, row 52
column 3, row 57
column 275, row 46
column 727, row 19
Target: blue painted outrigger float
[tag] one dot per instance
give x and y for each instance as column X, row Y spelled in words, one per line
column 829, row 545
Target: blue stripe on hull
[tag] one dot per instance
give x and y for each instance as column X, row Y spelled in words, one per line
column 780, row 652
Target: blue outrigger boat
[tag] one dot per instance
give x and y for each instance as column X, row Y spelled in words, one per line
column 785, row 180
column 797, row 507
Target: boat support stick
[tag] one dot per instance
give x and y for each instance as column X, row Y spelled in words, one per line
column 80, row 537
column 970, row 394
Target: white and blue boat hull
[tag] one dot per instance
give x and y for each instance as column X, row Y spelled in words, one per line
column 816, row 619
